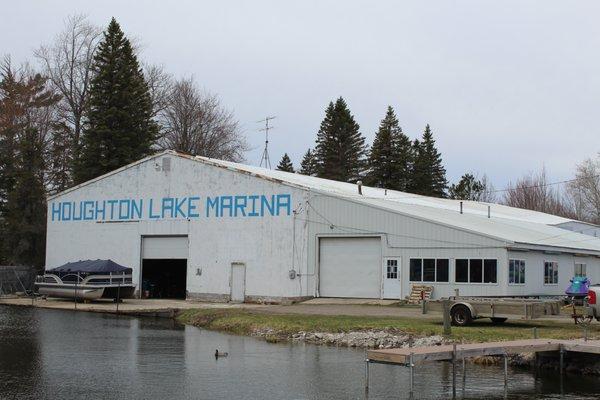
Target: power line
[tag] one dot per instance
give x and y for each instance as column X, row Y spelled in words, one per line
column 539, row 186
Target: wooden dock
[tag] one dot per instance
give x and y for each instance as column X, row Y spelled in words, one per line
column 412, row 356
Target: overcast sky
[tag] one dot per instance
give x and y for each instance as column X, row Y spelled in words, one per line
column 507, row 86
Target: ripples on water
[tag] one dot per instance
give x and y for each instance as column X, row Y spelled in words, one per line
column 51, row 354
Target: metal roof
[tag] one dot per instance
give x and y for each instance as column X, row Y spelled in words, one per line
column 517, row 227
column 513, row 225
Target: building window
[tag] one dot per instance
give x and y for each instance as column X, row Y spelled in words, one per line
column 550, row 273
column 516, row 272
column 490, row 271
column 429, row 270
column 416, row 273
column 442, row 270
column 392, row 269
column 580, row 269
column 476, row 270
column 462, row 271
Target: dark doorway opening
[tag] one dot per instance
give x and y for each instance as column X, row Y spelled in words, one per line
column 164, row 278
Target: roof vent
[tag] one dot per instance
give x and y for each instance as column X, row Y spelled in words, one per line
column 359, row 183
column 166, row 164
column 461, row 207
column 489, row 211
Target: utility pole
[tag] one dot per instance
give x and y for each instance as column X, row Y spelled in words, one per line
column 265, row 155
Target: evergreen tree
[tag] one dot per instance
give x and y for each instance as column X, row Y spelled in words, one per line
column 468, row 188
column 340, row 149
column 285, row 164
column 428, row 173
column 26, row 124
column 119, row 127
column 390, row 157
column 309, row 165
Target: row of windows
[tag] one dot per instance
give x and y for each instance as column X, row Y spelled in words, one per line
column 476, row 270
column 429, row 269
column 467, row 270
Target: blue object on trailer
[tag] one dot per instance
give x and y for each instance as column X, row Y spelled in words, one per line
column 579, row 287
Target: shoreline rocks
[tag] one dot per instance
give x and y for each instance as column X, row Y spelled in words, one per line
column 371, row 339
column 381, row 339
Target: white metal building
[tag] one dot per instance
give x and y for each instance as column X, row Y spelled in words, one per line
column 207, row 229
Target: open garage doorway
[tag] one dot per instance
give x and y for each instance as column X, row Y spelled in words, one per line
column 164, row 278
column 164, row 267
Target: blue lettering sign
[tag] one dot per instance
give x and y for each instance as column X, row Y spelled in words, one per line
column 56, row 211
column 212, row 204
column 136, row 209
column 127, row 209
column 179, row 207
column 193, row 206
column 88, row 210
column 167, row 205
column 150, row 214
column 100, row 210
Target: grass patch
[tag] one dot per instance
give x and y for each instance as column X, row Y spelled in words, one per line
column 246, row 322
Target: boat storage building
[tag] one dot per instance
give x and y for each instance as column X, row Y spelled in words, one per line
column 199, row 228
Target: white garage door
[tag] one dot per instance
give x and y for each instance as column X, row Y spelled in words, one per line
column 350, row 267
column 165, row 247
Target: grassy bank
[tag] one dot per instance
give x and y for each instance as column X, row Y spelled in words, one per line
column 244, row 322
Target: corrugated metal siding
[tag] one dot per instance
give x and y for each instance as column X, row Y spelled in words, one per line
column 265, row 245
column 534, row 272
column 407, row 238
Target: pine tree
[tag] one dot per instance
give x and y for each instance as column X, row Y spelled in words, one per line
column 119, row 127
column 26, row 123
column 390, row 157
column 468, row 188
column 285, row 164
column 309, row 165
column 340, row 149
column 428, row 173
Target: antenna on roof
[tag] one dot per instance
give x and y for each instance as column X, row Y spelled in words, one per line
column 265, row 155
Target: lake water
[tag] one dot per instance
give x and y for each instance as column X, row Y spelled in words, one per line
column 51, row 354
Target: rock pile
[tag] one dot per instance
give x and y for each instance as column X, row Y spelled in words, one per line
column 372, row 339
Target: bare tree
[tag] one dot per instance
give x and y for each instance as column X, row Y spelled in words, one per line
column 194, row 122
column 584, row 191
column 533, row 192
column 160, row 84
column 488, row 194
column 67, row 62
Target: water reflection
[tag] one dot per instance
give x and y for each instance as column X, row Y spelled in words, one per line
column 47, row 354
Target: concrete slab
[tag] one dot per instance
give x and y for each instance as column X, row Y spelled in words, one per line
column 155, row 307
column 342, row 301
column 168, row 308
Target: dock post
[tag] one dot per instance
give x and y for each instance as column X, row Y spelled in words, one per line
column 366, row 373
column 562, row 364
column 446, row 310
column 454, row 370
column 464, row 371
column 535, row 332
column 562, row 360
column 505, row 371
column 412, row 374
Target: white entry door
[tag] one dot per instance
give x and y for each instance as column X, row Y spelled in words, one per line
column 391, row 278
column 238, row 282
